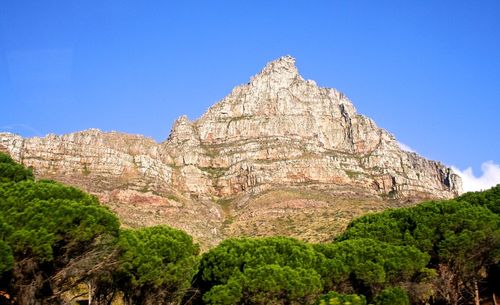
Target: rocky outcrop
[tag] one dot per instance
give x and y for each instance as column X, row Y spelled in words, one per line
column 279, row 131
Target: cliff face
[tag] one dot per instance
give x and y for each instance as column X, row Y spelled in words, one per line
column 280, row 129
column 279, row 134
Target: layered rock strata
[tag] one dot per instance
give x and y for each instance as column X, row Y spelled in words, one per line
column 278, row 132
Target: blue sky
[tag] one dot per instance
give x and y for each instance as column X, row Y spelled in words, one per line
column 427, row 71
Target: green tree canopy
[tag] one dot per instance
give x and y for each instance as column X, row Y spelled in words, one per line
column 489, row 198
column 368, row 265
column 50, row 229
column 247, row 271
column 156, row 264
column 12, row 171
column 462, row 238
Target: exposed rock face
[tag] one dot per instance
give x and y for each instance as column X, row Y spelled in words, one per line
column 277, row 132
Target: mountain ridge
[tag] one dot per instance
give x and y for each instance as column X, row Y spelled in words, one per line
column 278, row 134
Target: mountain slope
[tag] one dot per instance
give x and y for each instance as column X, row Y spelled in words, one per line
column 278, row 155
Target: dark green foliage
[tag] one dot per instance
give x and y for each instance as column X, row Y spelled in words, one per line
column 463, row 239
column 286, row 271
column 48, row 218
column 334, row 298
column 226, row 294
column 392, row 296
column 53, row 237
column 156, row 264
column 248, row 271
column 44, row 190
column 281, row 284
column 369, row 265
column 47, row 229
column 489, row 198
column 430, row 226
column 11, row 171
column 234, row 255
column 268, row 284
column 6, row 256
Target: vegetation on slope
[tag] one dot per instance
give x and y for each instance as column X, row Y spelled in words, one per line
column 461, row 236
column 51, row 234
column 56, row 239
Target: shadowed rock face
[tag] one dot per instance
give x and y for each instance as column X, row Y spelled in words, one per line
column 278, row 133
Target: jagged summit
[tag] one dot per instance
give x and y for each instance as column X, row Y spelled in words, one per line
column 278, row 102
column 277, row 75
column 282, row 68
column 286, row 61
column 278, row 132
column 247, row 100
column 283, row 64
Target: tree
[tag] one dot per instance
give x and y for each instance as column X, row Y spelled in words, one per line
column 267, row 284
column 489, row 198
column 462, row 239
column 370, row 265
column 55, row 234
column 273, row 270
column 12, row 171
column 156, row 265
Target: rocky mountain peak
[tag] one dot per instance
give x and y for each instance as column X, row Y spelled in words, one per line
column 277, row 74
column 280, row 66
column 278, row 134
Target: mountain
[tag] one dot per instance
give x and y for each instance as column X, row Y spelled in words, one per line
column 278, row 155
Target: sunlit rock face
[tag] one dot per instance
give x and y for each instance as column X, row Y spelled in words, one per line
column 279, row 131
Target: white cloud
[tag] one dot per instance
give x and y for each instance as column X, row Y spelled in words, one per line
column 489, row 178
column 405, row 147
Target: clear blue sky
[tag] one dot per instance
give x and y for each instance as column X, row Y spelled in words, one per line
column 427, row 71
